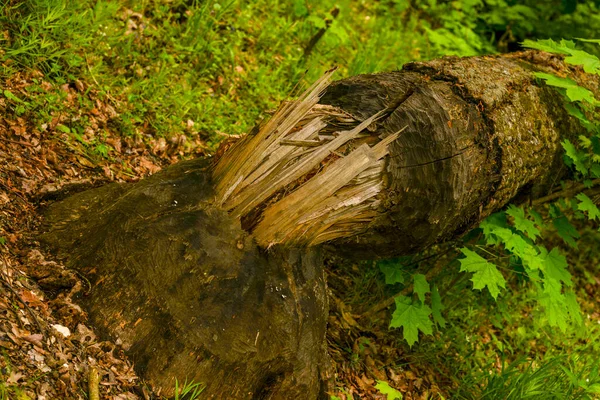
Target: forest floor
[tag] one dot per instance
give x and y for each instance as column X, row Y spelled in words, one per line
column 47, row 347
column 93, row 92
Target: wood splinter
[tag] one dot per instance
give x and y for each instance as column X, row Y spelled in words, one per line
column 295, row 187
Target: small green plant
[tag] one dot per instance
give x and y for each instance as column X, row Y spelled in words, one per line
column 559, row 377
column 12, row 392
column 189, row 390
column 388, row 391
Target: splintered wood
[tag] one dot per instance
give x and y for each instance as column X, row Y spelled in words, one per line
column 308, row 176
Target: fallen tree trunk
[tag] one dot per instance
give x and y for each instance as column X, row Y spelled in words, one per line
column 211, row 271
column 473, row 134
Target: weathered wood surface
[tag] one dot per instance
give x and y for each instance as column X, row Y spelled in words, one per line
column 480, row 132
column 180, row 279
column 189, row 294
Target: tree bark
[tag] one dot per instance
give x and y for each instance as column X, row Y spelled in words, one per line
column 211, row 270
column 482, row 132
column 189, row 294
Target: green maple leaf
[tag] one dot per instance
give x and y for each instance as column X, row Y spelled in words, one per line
column 390, row 392
column 412, row 317
column 566, row 231
column 577, row 157
column 554, row 309
column 555, row 266
column 573, row 308
column 585, row 141
column 548, row 45
column 553, row 288
column 534, row 274
column 522, row 223
column 516, row 244
column 537, row 217
column 492, row 224
column 421, row 286
column 575, row 111
column 589, row 62
column 573, row 91
column 437, row 307
column 586, row 204
column 532, row 259
column 484, row 272
column 559, row 308
column 392, row 271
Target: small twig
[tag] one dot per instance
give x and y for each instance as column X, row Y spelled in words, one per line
column 315, row 39
column 112, row 99
column 93, row 384
column 565, row 193
column 16, row 142
column 18, row 193
column 81, row 153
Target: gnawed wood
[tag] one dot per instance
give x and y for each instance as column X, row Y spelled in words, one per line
column 248, row 153
column 300, row 171
column 289, row 170
column 282, row 220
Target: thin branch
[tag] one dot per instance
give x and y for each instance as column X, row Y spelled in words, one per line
column 93, row 384
column 315, row 39
column 569, row 192
column 16, row 142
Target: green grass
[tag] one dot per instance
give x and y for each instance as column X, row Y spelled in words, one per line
column 189, row 391
column 220, row 65
column 12, row 392
column 202, row 68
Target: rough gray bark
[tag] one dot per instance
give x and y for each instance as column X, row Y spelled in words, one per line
column 187, row 289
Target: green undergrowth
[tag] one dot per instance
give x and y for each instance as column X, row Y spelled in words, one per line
column 505, row 350
column 167, row 65
column 213, row 68
column 488, row 349
column 188, row 391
